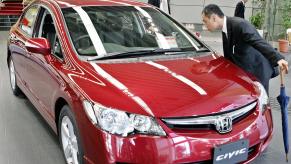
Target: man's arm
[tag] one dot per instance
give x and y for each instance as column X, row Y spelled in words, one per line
column 250, row 35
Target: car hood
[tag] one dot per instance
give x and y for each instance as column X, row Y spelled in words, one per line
column 173, row 87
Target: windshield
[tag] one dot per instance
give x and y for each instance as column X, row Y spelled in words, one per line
column 104, row 30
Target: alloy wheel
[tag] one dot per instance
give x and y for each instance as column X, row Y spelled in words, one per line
column 12, row 75
column 69, row 141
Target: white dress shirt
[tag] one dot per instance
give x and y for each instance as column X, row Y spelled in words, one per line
column 224, row 27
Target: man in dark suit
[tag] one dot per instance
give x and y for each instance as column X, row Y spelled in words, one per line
column 164, row 5
column 243, row 46
column 240, row 9
column 156, row 3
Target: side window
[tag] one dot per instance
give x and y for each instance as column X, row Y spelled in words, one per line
column 47, row 30
column 27, row 22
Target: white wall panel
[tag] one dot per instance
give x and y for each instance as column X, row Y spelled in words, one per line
column 187, row 2
column 189, row 11
column 187, row 14
column 226, row 3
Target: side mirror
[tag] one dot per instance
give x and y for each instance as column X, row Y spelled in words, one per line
column 38, row 45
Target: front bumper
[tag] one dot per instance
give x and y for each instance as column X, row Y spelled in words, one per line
column 179, row 146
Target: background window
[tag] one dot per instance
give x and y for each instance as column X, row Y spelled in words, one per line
column 28, row 20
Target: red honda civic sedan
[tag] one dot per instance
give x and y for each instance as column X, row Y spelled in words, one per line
column 120, row 81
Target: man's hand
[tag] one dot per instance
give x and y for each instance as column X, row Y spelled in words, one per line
column 283, row 64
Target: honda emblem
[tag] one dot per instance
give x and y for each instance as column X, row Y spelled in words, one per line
column 223, row 124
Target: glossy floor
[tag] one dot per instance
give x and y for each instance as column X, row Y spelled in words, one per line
column 27, row 139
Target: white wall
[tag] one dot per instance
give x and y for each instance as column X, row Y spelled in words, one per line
column 189, row 11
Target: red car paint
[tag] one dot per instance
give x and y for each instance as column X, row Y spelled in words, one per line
column 46, row 80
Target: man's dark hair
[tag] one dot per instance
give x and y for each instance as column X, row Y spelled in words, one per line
column 212, row 9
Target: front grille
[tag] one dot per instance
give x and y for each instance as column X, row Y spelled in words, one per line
column 192, row 127
column 208, row 122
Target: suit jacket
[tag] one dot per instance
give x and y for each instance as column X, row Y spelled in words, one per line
column 156, row 3
column 247, row 49
column 240, row 10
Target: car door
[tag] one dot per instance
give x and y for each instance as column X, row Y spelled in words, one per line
column 44, row 80
column 18, row 38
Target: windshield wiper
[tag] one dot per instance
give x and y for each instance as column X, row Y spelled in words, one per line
column 138, row 53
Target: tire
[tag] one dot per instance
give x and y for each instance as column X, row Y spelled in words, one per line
column 69, row 137
column 13, row 81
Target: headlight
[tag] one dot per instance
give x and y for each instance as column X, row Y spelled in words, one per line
column 263, row 98
column 121, row 123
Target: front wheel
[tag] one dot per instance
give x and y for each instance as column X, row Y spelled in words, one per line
column 13, row 82
column 69, row 137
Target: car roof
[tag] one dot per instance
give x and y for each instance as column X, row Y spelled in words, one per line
column 71, row 3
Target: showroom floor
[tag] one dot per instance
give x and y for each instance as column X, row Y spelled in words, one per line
column 27, row 139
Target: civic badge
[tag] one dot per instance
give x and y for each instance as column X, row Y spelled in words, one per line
column 223, row 124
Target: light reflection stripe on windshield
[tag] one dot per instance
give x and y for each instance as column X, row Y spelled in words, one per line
column 161, row 39
column 193, row 44
column 179, row 77
column 122, row 87
column 91, row 31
